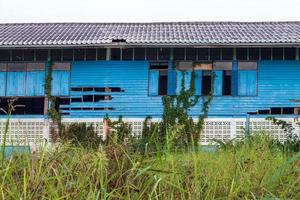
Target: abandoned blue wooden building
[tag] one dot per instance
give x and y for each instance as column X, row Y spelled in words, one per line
column 124, row 69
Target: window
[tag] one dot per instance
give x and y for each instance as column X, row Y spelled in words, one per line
column 79, row 54
column 265, row 54
column 4, row 55
column 206, row 82
column 203, row 54
column 227, row 54
column 139, row 53
column 289, row 53
column 226, row 90
column 215, row 54
column 24, row 106
column 152, row 53
column 17, row 55
column 67, row 55
column 90, row 54
column 28, row 55
column 247, row 78
column 253, row 53
column 277, row 54
column 158, row 79
column 191, row 53
column 101, row 54
column 242, row 54
column 115, row 54
column 127, row 54
column 41, row 54
column 164, row 53
column 179, row 53
column 222, row 78
column 55, row 54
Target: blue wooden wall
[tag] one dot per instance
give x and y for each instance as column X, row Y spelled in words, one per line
column 278, row 83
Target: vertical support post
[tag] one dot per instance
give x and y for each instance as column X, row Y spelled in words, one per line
column 171, row 54
column 232, row 128
column 108, row 51
column 106, row 129
column 234, row 53
column 247, row 128
column 297, row 53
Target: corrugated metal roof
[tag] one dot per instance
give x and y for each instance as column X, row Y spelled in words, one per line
column 173, row 33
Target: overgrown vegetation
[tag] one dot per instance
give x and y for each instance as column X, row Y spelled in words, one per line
column 255, row 169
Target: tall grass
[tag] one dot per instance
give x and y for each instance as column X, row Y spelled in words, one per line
column 253, row 169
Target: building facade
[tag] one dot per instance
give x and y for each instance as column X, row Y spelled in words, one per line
column 124, row 69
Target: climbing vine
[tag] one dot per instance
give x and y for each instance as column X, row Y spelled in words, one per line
column 54, row 115
column 176, row 113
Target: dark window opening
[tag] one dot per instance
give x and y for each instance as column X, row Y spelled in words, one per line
column 101, row 54
column 179, row 53
column 242, row 54
column 75, row 89
column 127, row 54
column 159, row 65
column 24, row 106
column 87, row 98
column 264, row 112
column 63, row 101
column 55, row 54
column 28, row 55
column 265, row 53
column 87, row 89
column 276, row 111
column 90, row 54
column 17, row 55
column 191, row 54
column 79, row 54
column 115, row 54
column 67, row 55
column 215, row 54
column 100, row 89
column 163, row 82
column 109, row 108
column 277, row 54
column 290, row 53
column 4, row 55
column 41, row 54
column 227, row 54
column 76, row 100
column 116, row 89
column 139, row 53
column 206, row 83
column 203, row 54
column 226, row 90
column 254, row 53
column 164, row 53
column 152, row 53
column 288, row 111
column 118, row 40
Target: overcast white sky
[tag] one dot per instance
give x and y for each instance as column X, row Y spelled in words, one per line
column 148, row 10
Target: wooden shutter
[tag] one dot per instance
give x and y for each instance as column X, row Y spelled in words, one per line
column 171, row 82
column 153, row 82
column 247, row 82
column 198, row 82
column 218, row 82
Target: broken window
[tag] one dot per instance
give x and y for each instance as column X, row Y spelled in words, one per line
column 24, row 106
column 90, row 54
column 191, row 53
column 242, row 53
column 206, row 82
column 139, row 53
column 28, row 55
column 41, row 55
column 115, row 54
column 253, row 53
column 67, row 55
column 17, row 55
column 277, row 54
column 101, row 54
column 127, row 54
column 55, row 54
column 158, row 79
column 289, row 53
column 79, row 54
column 203, row 54
column 179, row 53
column 222, row 77
column 227, row 53
column 4, row 55
column 215, row 54
column 265, row 53
column 164, row 53
column 226, row 90
column 264, row 112
column 289, row 111
column 276, row 111
column 152, row 53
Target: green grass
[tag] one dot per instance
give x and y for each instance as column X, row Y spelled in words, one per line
column 251, row 170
